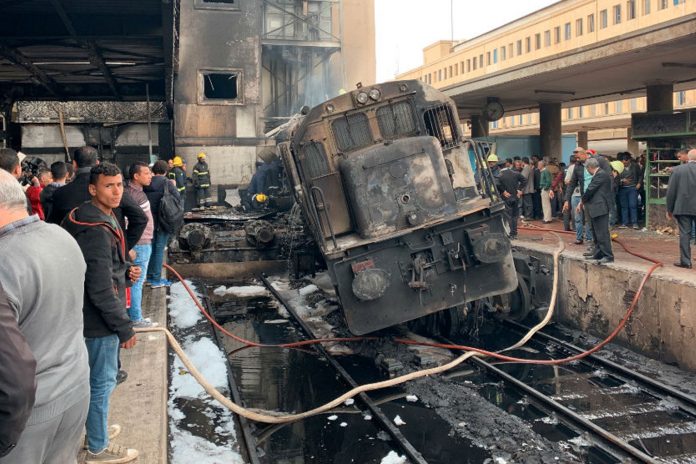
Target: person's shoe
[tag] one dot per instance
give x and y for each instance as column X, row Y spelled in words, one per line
column 685, row 266
column 636, row 227
column 594, row 256
column 114, row 431
column 622, row 227
column 547, row 222
column 144, row 323
column 113, row 454
column 589, row 253
column 121, row 376
column 605, row 260
column 161, row 283
column 578, row 242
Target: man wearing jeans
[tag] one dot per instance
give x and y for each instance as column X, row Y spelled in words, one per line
column 629, row 184
column 140, row 177
column 106, row 324
column 154, row 193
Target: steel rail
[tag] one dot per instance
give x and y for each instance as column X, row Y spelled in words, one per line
column 571, row 415
column 411, row 452
column 624, row 371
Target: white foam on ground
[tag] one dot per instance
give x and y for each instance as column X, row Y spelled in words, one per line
column 243, row 291
column 183, row 313
column 188, row 448
column 399, row 421
column 411, row 398
column 393, row 458
column 308, row 290
column 206, row 356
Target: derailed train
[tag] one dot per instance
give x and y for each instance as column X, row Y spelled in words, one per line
column 402, row 207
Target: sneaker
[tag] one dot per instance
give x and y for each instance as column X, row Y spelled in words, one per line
column 114, row 454
column 144, row 323
column 622, row 227
column 636, row 227
column 161, row 283
column 114, row 430
column 121, row 376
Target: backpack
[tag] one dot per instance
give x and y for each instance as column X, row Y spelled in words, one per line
column 171, row 212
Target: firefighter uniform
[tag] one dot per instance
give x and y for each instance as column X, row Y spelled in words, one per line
column 201, row 181
column 178, row 175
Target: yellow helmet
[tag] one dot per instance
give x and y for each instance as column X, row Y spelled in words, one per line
column 177, row 161
column 261, row 198
column 617, row 166
column 201, row 155
column 492, row 158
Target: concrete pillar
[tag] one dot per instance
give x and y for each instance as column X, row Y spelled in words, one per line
column 632, row 145
column 550, row 130
column 479, row 126
column 660, row 97
column 582, row 139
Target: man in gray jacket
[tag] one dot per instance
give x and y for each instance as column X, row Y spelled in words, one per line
column 681, row 205
column 44, row 375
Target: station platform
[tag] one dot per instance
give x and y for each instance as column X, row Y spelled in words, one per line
column 139, row 405
column 593, row 298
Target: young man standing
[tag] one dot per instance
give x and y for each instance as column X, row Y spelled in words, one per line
column 59, row 173
column 140, row 177
column 96, row 230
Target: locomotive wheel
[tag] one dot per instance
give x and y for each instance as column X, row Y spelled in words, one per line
column 517, row 304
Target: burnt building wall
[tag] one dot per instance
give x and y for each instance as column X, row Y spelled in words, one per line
column 217, row 88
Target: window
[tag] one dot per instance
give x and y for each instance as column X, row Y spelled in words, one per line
column 547, row 38
column 567, row 33
column 630, row 10
column 662, row 4
column 603, row 21
column 593, row 110
column 220, row 87
column 520, row 120
column 450, row 72
column 503, row 53
column 510, row 50
column 578, row 27
column 519, row 47
column 529, row 118
column 352, row 132
column 468, row 65
column 677, row 2
column 557, row 34
column 634, row 105
column 537, row 41
column 439, row 75
column 681, row 97
column 590, row 23
column 580, row 112
column 396, row 120
column 488, row 58
column 570, row 113
column 481, row 60
column 495, row 56
column 617, row 14
column 606, row 108
column 441, row 124
column 618, row 107
column 528, row 44
column 494, row 125
column 646, row 7
column 456, row 69
column 475, row 62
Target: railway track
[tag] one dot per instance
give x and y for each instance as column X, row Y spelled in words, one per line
column 623, row 413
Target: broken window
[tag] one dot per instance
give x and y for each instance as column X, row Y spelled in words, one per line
column 396, row 120
column 220, row 86
column 352, row 132
column 441, row 124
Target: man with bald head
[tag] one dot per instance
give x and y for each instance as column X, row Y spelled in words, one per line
column 681, row 205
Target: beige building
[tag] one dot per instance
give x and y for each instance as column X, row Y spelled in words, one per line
column 565, row 27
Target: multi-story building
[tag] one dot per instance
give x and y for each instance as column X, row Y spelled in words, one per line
column 562, row 28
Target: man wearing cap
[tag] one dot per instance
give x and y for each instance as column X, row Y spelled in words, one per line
column 201, row 182
column 178, row 175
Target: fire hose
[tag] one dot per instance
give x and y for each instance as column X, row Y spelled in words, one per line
column 275, row 417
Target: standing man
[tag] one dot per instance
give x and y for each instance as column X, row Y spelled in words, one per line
column 59, row 173
column 629, row 185
column 528, row 193
column 201, row 182
column 44, row 375
column 9, row 161
column 38, row 183
column 96, row 230
column 681, row 205
column 140, row 177
column 547, row 194
column 536, row 196
column 596, row 201
column 511, row 184
column 177, row 174
column 155, row 192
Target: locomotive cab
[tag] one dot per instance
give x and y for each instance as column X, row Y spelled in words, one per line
column 403, row 208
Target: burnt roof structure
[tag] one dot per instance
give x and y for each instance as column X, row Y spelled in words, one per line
column 87, row 49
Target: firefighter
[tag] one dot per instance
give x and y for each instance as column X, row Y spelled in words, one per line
column 201, row 182
column 178, row 175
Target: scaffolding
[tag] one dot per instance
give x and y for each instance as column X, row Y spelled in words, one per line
column 301, row 62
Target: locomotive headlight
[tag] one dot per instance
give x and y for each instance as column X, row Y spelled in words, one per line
column 362, row 98
column 375, row 94
column 330, row 108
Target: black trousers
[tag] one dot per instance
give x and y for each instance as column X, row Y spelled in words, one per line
column 536, row 205
column 685, row 227
column 528, row 206
column 513, row 211
column 602, row 238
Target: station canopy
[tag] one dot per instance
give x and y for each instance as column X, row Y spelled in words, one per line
column 86, row 49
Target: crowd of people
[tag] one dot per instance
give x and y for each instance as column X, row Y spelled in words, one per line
column 62, row 331
column 592, row 195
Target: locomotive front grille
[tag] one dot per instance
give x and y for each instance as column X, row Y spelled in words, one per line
column 440, row 123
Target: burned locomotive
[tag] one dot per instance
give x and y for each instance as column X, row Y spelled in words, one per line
column 402, row 207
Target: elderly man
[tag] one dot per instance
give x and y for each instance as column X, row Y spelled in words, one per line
column 596, row 201
column 681, row 205
column 44, row 375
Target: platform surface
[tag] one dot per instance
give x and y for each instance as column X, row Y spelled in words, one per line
column 139, row 405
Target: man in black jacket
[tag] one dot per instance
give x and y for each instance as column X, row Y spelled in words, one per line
column 107, row 325
column 596, row 201
column 510, row 184
column 76, row 192
column 681, row 205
